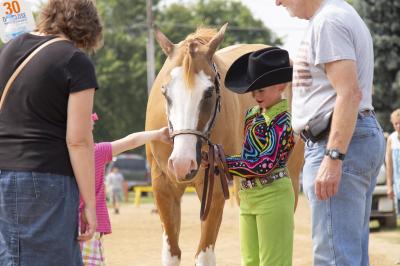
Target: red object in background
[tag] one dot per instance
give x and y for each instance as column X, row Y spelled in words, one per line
column 95, row 117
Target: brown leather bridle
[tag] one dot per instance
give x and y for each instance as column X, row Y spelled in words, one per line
column 216, row 157
column 205, row 136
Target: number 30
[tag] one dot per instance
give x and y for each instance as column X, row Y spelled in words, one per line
column 12, row 7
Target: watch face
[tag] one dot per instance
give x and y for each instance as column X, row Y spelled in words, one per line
column 334, row 154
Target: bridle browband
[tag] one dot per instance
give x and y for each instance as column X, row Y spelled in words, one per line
column 205, row 136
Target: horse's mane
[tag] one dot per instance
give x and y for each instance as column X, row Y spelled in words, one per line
column 201, row 36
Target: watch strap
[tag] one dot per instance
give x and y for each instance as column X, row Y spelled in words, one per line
column 340, row 156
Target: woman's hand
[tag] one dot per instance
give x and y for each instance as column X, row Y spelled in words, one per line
column 89, row 224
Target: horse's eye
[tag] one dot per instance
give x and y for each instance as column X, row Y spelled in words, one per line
column 209, row 92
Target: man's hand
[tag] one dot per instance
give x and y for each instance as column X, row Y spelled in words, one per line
column 328, row 178
column 89, row 224
column 390, row 192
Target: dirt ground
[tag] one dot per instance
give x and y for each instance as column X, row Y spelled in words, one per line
column 136, row 237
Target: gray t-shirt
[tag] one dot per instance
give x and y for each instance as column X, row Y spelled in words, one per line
column 336, row 32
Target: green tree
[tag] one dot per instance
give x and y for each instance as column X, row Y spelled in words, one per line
column 243, row 27
column 382, row 18
column 121, row 69
column 121, row 63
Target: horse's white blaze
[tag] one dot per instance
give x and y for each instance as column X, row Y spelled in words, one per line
column 184, row 114
column 167, row 258
column 183, row 157
column 206, row 258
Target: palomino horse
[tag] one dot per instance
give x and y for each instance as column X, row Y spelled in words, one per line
column 185, row 97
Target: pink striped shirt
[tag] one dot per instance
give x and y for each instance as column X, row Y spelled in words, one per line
column 102, row 155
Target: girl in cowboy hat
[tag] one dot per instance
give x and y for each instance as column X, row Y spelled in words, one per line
column 266, row 194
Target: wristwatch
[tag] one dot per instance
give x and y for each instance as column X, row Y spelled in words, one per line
column 335, row 154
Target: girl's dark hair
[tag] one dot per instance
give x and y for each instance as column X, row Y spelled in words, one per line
column 76, row 19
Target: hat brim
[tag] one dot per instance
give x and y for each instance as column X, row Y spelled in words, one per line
column 235, row 79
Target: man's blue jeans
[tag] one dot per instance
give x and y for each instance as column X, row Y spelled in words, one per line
column 340, row 225
column 38, row 220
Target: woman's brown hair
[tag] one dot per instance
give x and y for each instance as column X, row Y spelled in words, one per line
column 76, row 19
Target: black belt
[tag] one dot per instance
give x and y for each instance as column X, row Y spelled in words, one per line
column 306, row 136
column 366, row 113
column 265, row 180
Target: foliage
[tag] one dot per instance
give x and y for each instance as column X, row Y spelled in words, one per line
column 121, row 63
column 382, row 18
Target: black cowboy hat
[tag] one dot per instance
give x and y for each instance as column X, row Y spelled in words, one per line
column 259, row 69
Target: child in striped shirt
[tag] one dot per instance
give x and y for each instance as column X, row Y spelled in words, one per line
column 92, row 250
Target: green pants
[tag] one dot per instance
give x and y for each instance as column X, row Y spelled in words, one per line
column 266, row 224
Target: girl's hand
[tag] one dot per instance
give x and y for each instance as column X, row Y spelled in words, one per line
column 89, row 224
column 163, row 135
column 204, row 160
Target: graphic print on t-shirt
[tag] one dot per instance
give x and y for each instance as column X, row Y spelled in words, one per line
column 302, row 79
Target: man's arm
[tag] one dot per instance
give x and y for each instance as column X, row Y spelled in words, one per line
column 342, row 75
column 389, row 169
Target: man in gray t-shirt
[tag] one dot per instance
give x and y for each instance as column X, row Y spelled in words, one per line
column 332, row 93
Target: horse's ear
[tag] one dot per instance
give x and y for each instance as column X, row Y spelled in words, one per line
column 216, row 40
column 166, row 45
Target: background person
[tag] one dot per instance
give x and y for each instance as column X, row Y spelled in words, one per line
column 333, row 73
column 115, row 182
column 393, row 160
column 46, row 143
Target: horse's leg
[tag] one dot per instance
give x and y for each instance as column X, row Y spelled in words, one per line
column 168, row 200
column 209, row 229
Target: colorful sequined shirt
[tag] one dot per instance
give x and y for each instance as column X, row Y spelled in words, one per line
column 268, row 142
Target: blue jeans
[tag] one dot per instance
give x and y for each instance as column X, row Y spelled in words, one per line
column 38, row 220
column 340, row 225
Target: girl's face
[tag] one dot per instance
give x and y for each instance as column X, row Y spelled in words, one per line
column 396, row 124
column 268, row 96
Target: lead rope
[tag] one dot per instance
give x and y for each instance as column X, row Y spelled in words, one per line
column 216, row 156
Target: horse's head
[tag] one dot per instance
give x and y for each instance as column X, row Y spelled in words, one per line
column 191, row 90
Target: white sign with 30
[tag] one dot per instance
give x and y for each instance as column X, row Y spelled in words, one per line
column 15, row 18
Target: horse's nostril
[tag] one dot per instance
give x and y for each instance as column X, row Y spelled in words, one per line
column 191, row 174
column 170, row 165
column 193, row 166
